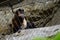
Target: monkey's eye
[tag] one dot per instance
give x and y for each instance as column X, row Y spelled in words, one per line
column 22, row 12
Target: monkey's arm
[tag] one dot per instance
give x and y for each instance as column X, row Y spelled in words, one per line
column 14, row 22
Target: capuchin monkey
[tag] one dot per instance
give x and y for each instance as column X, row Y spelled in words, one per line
column 19, row 21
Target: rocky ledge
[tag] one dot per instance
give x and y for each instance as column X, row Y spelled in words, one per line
column 28, row 34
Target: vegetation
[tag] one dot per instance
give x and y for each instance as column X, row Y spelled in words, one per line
column 55, row 37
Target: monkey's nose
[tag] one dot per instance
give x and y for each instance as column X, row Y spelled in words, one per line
column 22, row 16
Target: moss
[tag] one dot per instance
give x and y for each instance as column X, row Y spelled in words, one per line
column 57, row 37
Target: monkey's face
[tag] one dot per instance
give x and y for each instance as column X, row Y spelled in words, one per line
column 20, row 16
column 20, row 13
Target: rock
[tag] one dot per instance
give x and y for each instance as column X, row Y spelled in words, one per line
column 49, row 4
column 6, row 16
column 55, row 20
column 31, row 33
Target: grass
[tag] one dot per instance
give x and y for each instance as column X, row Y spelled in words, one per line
column 55, row 37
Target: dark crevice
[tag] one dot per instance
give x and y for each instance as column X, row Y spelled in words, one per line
column 6, row 2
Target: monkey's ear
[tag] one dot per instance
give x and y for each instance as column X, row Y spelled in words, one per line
column 16, row 12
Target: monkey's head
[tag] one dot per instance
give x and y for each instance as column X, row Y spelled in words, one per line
column 20, row 13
